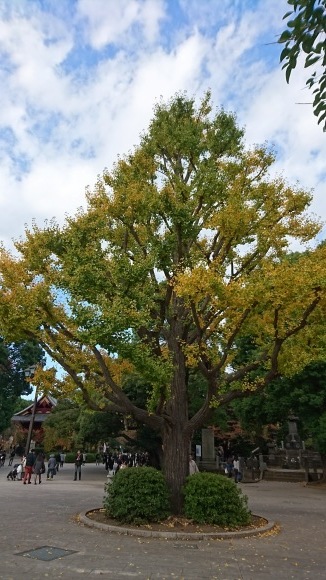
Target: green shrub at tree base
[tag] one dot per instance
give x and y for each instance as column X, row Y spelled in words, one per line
column 215, row 499
column 137, row 495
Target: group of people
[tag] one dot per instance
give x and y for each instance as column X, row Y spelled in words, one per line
column 3, row 456
column 234, row 468
column 114, row 460
column 32, row 466
column 12, row 452
column 57, row 461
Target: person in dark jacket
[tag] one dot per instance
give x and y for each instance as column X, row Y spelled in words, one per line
column 30, row 460
column 39, row 468
column 57, row 458
column 12, row 456
column 78, row 464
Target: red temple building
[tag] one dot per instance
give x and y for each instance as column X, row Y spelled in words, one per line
column 44, row 406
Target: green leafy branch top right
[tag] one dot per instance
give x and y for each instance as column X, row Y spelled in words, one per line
column 306, row 33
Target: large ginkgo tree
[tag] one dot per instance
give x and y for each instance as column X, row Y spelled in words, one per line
column 184, row 248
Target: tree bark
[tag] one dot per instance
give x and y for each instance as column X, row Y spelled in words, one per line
column 176, row 434
column 176, row 463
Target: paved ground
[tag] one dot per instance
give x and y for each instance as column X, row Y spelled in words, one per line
column 45, row 515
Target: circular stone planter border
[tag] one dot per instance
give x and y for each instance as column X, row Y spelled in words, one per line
column 167, row 535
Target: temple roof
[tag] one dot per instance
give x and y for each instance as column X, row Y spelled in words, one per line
column 45, row 404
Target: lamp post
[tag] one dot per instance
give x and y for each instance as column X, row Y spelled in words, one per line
column 29, row 373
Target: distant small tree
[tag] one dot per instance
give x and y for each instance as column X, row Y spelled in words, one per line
column 95, row 426
column 14, row 358
column 304, row 394
column 60, row 427
column 71, row 425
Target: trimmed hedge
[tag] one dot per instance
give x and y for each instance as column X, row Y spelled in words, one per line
column 70, row 457
column 215, row 499
column 137, row 495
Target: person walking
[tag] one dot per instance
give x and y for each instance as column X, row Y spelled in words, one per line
column 23, row 466
column 2, row 457
column 62, row 458
column 39, row 468
column 229, row 466
column 30, row 460
column 12, row 456
column 52, row 467
column 236, row 468
column 78, row 464
column 58, row 460
column 193, row 467
column 20, row 470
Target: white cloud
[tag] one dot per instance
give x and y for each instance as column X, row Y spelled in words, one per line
column 110, row 22
column 79, row 85
column 34, row 57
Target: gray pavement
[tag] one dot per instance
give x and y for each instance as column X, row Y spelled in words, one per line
column 34, row 517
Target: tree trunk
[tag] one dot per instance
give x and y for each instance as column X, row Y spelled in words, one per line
column 176, row 434
column 176, row 463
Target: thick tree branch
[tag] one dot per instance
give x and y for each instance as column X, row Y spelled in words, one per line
column 141, row 415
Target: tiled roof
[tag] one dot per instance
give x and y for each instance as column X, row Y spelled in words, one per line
column 26, row 412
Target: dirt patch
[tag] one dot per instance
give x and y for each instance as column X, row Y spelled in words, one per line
column 176, row 524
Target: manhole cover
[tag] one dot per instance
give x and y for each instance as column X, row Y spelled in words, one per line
column 46, row 553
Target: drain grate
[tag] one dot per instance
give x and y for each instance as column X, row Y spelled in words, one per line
column 46, row 553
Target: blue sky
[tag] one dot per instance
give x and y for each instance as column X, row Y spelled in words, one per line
column 79, row 79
